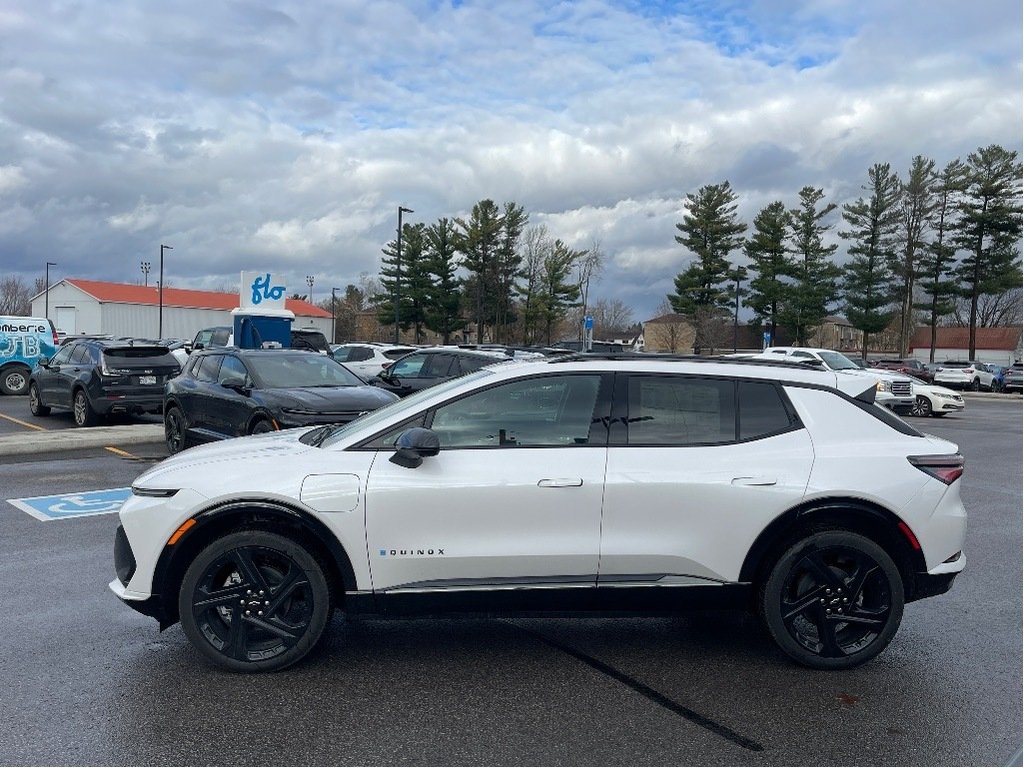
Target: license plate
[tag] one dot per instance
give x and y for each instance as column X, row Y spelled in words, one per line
column 147, row 379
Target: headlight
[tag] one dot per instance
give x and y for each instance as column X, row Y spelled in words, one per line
column 160, row 493
column 883, row 386
column 299, row 411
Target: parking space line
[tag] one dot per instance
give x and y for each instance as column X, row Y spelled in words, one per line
column 22, row 423
column 121, row 453
column 649, row 693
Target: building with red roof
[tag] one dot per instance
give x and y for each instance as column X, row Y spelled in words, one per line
column 122, row 309
column 999, row 346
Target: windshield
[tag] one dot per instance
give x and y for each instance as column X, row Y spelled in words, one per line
column 305, row 370
column 838, row 362
column 407, row 404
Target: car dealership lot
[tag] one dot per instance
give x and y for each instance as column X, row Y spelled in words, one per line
column 89, row 681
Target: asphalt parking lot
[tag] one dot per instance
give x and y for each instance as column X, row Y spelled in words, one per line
column 88, row 681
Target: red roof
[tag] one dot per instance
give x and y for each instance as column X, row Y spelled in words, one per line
column 959, row 338
column 123, row 293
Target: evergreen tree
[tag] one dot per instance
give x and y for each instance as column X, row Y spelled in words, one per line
column 869, row 281
column 770, row 264
column 536, row 247
column 557, row 291
column 917, row 203
column 507, row 264
column 710, row 230
column 408, row 278
column 479, row 242
column 937, row 262
column 990, row 228
column 805, row 305
column 444, row 297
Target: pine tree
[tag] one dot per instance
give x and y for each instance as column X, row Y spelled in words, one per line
column 869, row 286
column 770, row 264
column 558, row 292
column 917, row 204
column 937, row 262
column 444, row 298
column 990, row 228
column 711, row 230
column 479, row 241
column 507, row 266
column 806, row 305
column 408, row 279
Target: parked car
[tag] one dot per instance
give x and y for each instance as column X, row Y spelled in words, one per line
column 627, row 485
column 98, row 377
column 429, row 367
column 368, row 360
column 911, row 367
column 1014, row 381
column 224, row 336
column 998, row 376
column 311, row 339
column 964, row 374
column 933, row 400
column 895, row 391
column 218, row 336
column 228, row 392
column 23, row 342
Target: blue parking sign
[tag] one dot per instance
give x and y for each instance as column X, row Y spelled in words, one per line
column 82, row 504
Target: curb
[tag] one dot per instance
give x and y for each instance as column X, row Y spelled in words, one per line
column 76, row 439
column 990, row 395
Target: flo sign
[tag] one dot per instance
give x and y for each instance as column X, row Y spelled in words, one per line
column 261, row 290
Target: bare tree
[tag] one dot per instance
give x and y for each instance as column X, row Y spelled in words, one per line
column 588, row 268
column 994, row 310
column 15, row 296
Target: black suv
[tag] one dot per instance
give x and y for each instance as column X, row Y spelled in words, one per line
column 99, row 377
column 427, row 367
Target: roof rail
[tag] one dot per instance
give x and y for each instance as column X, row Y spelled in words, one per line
column 652, row 356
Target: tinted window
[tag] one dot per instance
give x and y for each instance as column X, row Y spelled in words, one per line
column 232, row 367
column 341, row 354
column 408, row 367
column 208, row 367
column 64, row 354
column 220, row 337
column 80, row 355
column 762, row 411
column 440, row 366
column 468, row 364
column 358, row 354
column 394, row 354
column 674, row 410
column 542, row 412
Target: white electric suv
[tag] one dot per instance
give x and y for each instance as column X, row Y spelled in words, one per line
column 637, row 485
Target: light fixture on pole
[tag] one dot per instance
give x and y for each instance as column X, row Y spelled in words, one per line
column 398, row 265
column 334, row 316
column 46, row 301
column 309, row 282
column 160, row 322
column 144, row 266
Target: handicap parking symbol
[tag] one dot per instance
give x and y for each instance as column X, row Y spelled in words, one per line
column 82, row 504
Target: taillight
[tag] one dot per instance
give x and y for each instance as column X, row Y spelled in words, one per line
column 946, row 468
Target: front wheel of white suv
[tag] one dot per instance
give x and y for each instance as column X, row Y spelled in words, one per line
column 833, row 600
column 254, row 601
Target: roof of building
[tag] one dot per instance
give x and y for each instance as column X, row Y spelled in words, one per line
column 671, row 317
column 959, row 338
column 125, row 293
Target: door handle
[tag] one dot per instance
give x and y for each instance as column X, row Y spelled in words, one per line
column 561, row 482
column 759, row 480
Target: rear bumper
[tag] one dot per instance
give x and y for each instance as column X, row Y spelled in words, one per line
column 938, row 580
column 109, row 403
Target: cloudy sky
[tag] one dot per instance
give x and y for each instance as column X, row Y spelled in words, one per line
column 284, row 134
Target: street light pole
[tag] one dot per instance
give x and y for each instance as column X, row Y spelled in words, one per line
column 334, row 317
column 46, row 301
column 145, row 265
column 309, row 282
column 398, row 265
column 160, row 322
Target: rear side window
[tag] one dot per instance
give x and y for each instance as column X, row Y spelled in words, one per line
column 761, row 410
column 470, row 364
column 674, row 410
column 439, row 366
column 81, row 355
column 358, row 354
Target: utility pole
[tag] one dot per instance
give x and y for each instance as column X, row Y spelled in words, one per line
column 160, row 321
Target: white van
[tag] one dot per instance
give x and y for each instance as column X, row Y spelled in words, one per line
column 23, row 340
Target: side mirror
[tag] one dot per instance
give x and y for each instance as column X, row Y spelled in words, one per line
column 187, row 346
column 44, row 362
column 197, row 345
column 236, row 383
column 413, row 445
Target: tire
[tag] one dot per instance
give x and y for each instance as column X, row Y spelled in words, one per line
column 975, row 385
column 175, row 433
column 14, row 380
column 819, row 578
column 938, row 414
column 82, row 410
column 265, row 587
column 922, row 406
column 260, row 427
column 35, row 403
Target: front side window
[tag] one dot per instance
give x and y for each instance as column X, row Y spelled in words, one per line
column 232, row 368
column 549, row 411
column 64, row 354
column 676, row 410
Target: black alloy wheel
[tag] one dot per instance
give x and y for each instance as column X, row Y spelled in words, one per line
column 82, row 410
column 833, row 600
column 922, row 406
column 254, row 601
column 35, row 404
column 174, row 430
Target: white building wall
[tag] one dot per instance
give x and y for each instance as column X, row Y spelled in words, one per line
column 86, row 309
column 993, row 356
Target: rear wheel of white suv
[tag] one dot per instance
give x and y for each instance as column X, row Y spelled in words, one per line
column 833, row 600
column 254, row 601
